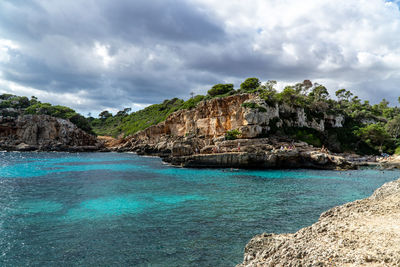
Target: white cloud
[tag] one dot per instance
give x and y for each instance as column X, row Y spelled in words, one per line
column 5, row 47
column 102, row 51
column 351, row 42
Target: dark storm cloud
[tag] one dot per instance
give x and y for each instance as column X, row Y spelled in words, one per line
column 34, row 73
column 111, row 54
column 175, row 21
column 132, row 21
column 50, row 34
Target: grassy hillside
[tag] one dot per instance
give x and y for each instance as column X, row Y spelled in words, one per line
column 126, row 124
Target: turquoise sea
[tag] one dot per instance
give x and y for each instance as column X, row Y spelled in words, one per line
column 109, row 209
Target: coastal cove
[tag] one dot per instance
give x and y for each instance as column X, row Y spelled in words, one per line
column 123, row 209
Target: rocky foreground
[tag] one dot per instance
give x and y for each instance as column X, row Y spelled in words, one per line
column 361, row 233
column 44, row 133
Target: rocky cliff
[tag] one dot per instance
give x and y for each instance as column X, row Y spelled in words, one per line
column 248, row 113
column 361, row 233
column 45, row 133
column 196, row 137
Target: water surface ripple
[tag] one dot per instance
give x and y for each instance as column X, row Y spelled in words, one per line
column 109, row 209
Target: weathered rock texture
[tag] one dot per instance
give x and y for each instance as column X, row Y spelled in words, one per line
column 42, row 132
column 361, row 233
column 256, row 153
column 195, row 138
column 215, row 117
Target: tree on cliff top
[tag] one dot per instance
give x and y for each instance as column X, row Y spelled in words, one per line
column 220, row 89
column 302, row 88
column 343, row 95
column 250, row 84
column 319, row 92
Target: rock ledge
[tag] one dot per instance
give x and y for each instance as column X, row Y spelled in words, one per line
column 361, row 233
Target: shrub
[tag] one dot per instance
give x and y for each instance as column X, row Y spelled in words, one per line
column 270, row 96
column 309, row 138
column 308, row 135
column 232, row 134
column 192, row 102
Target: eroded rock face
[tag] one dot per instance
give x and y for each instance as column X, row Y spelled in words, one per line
column 360, row 233
column 213, row 118
column 42, row 132
column 196, row 138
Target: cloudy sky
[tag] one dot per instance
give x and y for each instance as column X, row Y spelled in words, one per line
column 93, row 55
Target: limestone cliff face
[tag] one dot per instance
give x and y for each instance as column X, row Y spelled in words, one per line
column 196, row 138
column 42, row 132
column 361, row 233
column 213, row 118
column 209, row 119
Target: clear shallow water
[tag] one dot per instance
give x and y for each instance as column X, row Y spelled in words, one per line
column 108, row 209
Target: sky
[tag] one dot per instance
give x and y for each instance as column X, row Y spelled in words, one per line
column 94, row 55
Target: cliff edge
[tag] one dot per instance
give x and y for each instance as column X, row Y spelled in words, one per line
column 361, row 233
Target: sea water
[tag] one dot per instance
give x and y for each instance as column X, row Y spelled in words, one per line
column 109, row 209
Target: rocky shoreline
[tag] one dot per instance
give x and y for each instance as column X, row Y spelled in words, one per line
column 361, row 233
column 258, row 153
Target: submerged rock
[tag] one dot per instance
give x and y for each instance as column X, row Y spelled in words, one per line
column 361, row 233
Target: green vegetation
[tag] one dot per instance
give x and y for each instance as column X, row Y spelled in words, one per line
column 368, row 128
column 13, row 101
column 220, row 89
column 250, row 84
column 23, row 105
column 375, row 136
column 192, row 102
column 232, row 134
column 127, row 124
column 307, row 135
column 60, row 112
